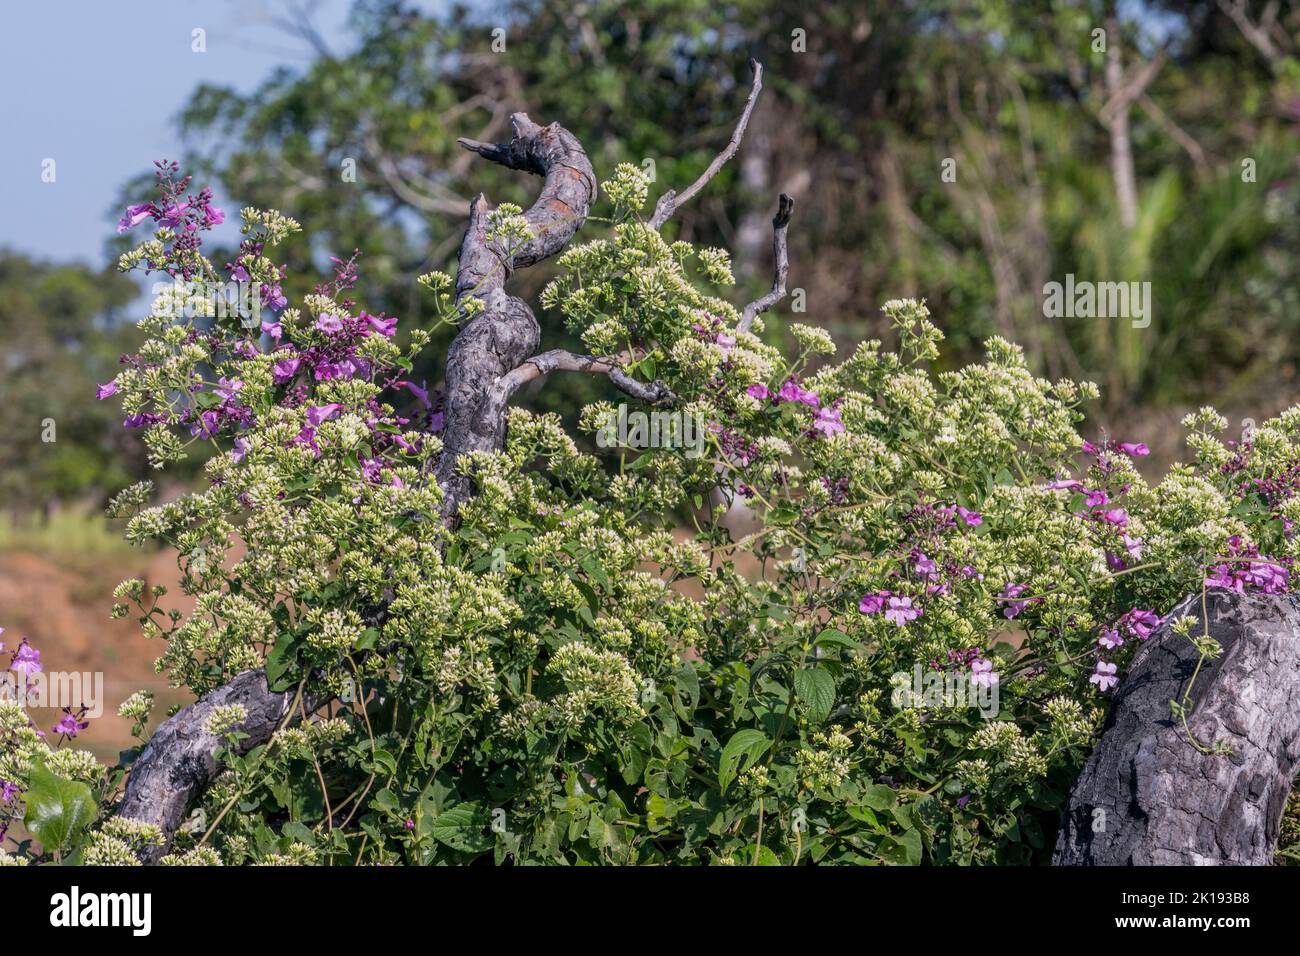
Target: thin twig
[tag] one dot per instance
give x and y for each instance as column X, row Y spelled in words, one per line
column 670, row 200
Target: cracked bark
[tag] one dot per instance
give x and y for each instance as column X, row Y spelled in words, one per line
column 1147, row 796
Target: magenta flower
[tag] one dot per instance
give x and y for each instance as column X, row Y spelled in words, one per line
column 420, row 393
column 273, row 329
column 1134, row 449
column 1064, row 484
column 1110, row 639
column 1116, row 516
column 791, row 392
column 1104, row 676
column 240, row 449
column 758, row 391
column 385, row 327
column 103, row 391
column 1095, row 499
column 972, row 518
column 134, row 216
column 900, row 611
column 1140, row 623
column 329, row 323
column 873, row 603
column 284, row 370
column 322, row 413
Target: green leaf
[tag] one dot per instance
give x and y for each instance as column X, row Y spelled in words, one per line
column 816, row 688
column 903, row 850
column 744, row 747
column 838, row 638
column 296, row 831
column 879, row 797
column 464, row 827
column 57, row 809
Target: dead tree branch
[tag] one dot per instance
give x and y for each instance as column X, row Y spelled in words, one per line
column 670, row 201
column 780, row 265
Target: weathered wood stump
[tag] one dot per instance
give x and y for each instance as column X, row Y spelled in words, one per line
column 1147, row 795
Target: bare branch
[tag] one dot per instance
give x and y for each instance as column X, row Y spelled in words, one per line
column 781, row 265
column 1257, row 34
column 560, row 360
column 670, row 200
column 1176, row 133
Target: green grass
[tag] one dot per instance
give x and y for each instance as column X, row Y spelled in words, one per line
column 72, row 533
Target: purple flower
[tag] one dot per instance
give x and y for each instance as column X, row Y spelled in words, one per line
column 963, row 800
column 827, row 421
column 273, row 329
column 385, row 327
column 207, row 425
column 272, row 296
column 436, row 422
column 307, row 436
column 791, row 392
column 900, row 611
column 70, row 725
column 1104, row 676
column 1014, row 591
column 329, row 323
column 1110, row 639
column 284, row 370
column 421, row 393
column 240, row 449
column 1064, row 484
column 134, row 216
column 1095, row 499
column 1116, row 516
column 873, row 603
column 1140, row 623
column 1134, row 450
column 409, row 824
column 8, row 791
column 322, row 413
column 759, row 391
column 982, row 675
column 172, row 215
column 26, row 659
column 103, row 391
column 972, row 518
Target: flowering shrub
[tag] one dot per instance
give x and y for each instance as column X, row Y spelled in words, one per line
column 600, row 662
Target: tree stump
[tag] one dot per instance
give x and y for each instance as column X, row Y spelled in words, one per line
column 1148, row 795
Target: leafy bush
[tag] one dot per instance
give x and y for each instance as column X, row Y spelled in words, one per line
column 599, row 662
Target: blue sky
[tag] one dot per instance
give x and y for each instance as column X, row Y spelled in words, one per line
column 96, row 87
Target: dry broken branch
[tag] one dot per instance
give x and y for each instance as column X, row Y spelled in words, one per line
column 670, row 201
column 781, row 265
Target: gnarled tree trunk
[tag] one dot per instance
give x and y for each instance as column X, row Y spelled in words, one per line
column 1148, row 795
